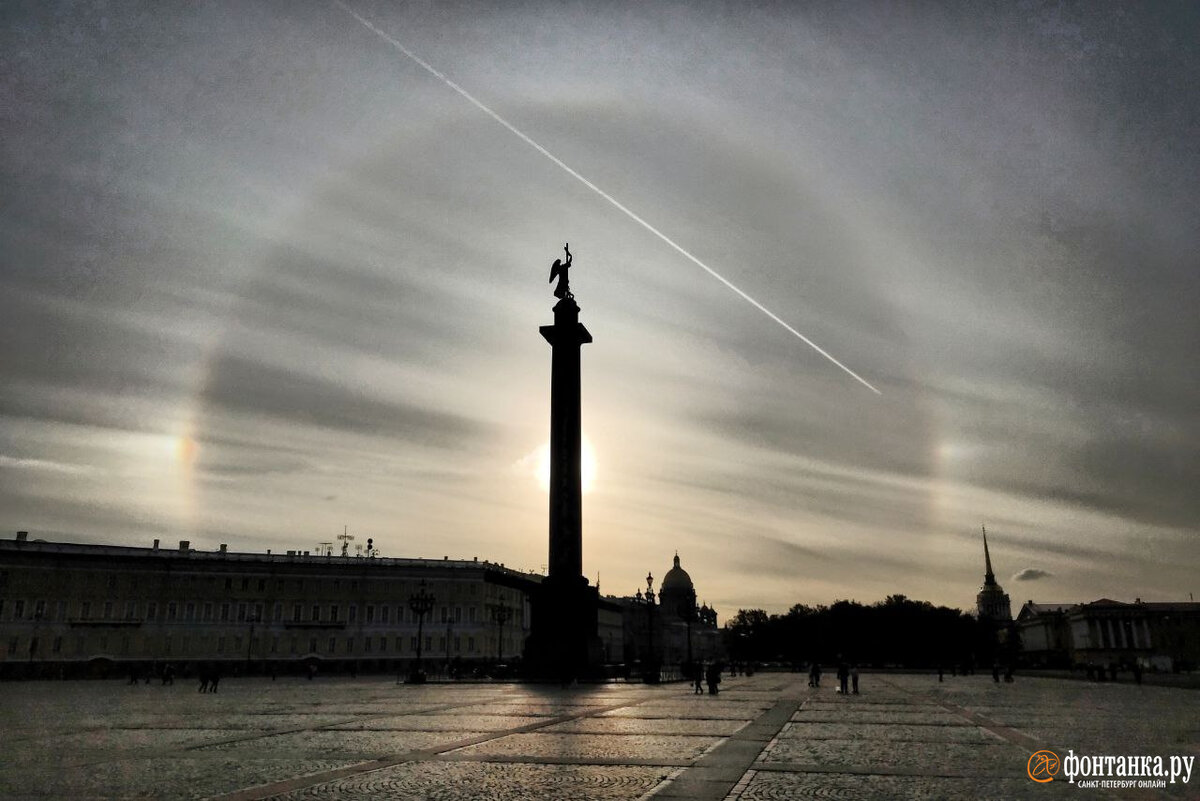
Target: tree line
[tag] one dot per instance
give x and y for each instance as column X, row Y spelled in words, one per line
column 894, row 632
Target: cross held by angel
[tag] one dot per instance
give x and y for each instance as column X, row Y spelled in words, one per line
column 559, row 270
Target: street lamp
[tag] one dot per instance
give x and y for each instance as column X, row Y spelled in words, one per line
column 500, row 613
column 650, row 669
column 421, row 603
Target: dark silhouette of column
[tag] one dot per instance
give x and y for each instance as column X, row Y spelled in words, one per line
column 566, row 337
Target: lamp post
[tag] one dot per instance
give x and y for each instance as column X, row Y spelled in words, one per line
column 650, row 669
column 500, row 613
column 251, row 619
column 421, row 603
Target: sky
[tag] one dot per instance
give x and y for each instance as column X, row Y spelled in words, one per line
column 263, row 276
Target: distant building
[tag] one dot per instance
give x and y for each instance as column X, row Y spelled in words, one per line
column 992, row 601
column 661, row 627
column 73, row 609
column 1164, row 636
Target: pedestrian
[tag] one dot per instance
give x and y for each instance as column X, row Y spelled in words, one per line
column 698, row 678
column 843, row 673
column 996, row 672
column 940, row 679
column 854, row 677
column 713, row 674
column 1008, row 673
column 815, row 674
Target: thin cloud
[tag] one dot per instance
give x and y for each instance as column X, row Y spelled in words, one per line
column 1031, row 574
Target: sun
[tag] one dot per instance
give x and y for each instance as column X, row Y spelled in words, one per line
column 587, row 465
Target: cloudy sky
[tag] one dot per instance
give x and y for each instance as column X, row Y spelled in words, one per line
column 263, row 276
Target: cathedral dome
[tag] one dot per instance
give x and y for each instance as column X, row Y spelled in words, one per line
column 677, row 578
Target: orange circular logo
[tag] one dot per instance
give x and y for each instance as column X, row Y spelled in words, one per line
column 1042, row 766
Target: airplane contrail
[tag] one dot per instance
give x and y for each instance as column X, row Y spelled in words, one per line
column 613, row 201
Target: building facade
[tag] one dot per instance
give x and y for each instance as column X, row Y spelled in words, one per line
column 666, row 628
column 1105, row 633
column 73, row 609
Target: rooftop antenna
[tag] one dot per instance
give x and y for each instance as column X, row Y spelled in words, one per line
column 345, row 537
column 325, row 548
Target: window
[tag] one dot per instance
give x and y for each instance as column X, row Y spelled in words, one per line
column 167, row 644
column 262, row 584
column 370, row 614
column 237, row 644
column 383, row 645
column 413, row 643
column 316, row 613
column 224, row 613
column 353, row 613
column 471, row 645
column 57, row 647
column 349, row 645
column 33, row 646
column 229, row 584
column 60, row 610
column 278, row 613
column 458, row 614
column 112, row 582
column 241, row 611
column 471, row 614
column 208, row 610
column 428, row 642
column 172, row 610
column 258, row 611
column 79, row 645
column 444, row 613
column 39, row 609
column 383, row 614
column 220, row 645
column 103, row 642
column 85, row 610
column 367, row 644
column 245, row 584
column 332, row 644
column 295, row 645
column 296, row 613
column 108, row 610
column 312, row 646
column 18, row 610
column 274, row 645
column 191, row 612
column 333, row 613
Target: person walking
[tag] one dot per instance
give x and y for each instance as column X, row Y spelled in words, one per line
column 843, row 673
column 854, row 677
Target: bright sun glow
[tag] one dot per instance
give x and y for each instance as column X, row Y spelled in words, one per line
column 587, row 465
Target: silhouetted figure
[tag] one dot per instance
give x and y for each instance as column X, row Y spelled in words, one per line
column 815, row 674
column 996, row 672
column 1008, row 674
column 559, row 270
column 854, row 677
column 843, row 674
column 940, row 674
column 203, row 680
column 698, row 678
column 713, row 674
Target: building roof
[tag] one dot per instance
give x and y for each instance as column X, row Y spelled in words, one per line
column 677, row 578
column 185, row 553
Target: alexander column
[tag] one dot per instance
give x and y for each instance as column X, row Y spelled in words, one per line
column 564, row 642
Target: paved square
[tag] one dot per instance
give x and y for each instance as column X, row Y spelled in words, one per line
column 765, row 737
